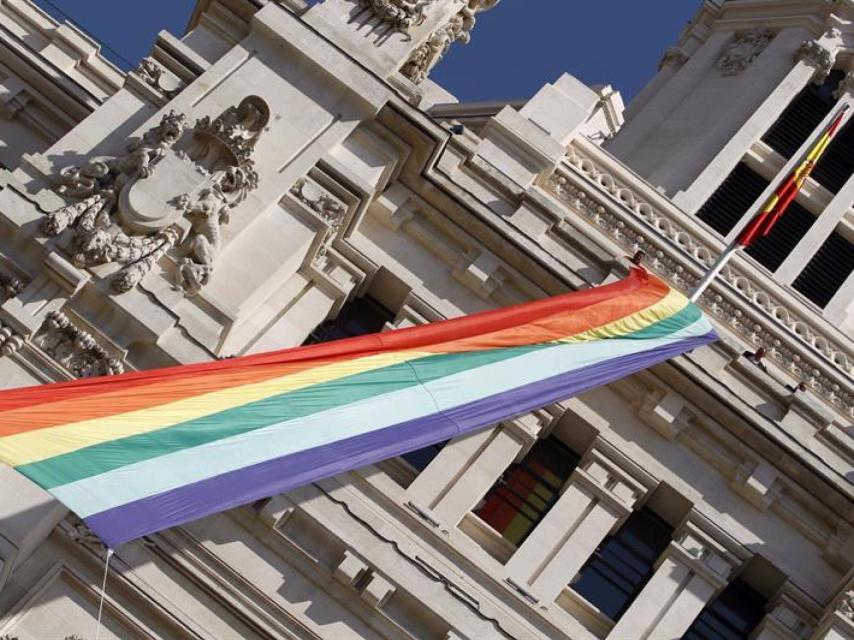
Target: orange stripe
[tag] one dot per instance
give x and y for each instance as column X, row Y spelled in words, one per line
column 120, row 394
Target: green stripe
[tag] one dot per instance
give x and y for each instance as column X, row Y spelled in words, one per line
column 107, row 456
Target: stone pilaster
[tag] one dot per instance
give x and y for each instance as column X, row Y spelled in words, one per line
column 697, row 565
column 600, row 495
column 791, row 616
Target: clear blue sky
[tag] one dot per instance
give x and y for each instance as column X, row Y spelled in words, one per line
column 517, row 47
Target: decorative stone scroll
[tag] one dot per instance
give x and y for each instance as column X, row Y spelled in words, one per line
column 75, row 349
column 739, row 55
column 822, row 58
column 400, row 14
column 673, row 57
column 10, row 341
column 153, row 75
column 173, row 189
column 323, row 204
column 457, row 29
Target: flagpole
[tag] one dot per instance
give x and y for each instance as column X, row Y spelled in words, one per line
column 747, row 236
column 713, row 271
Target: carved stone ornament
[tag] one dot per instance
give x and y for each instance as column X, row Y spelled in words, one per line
column 324, row 205
column 673, row 57
column 10, row 341
column 75, row 349
column 846, row 605
column 846, row 85
column 740, row 54
column 457, row 29
column 819, row 56
column 153, row 75
column 400, row 14
column 10, row 284
column 173, row 189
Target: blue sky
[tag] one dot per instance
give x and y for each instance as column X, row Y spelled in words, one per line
column 517, row 47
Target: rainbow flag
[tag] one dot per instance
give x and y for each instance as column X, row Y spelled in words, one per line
column 138, row 453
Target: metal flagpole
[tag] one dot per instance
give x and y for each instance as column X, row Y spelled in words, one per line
column 103, row 593
column 713, row 271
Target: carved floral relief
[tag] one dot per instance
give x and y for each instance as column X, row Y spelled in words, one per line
column 172, row 190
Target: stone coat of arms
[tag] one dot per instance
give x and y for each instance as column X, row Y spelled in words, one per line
column 172, row 191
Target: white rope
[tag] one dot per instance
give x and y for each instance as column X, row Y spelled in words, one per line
column 103, row 593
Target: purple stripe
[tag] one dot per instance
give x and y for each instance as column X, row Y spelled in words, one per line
column 213, row 495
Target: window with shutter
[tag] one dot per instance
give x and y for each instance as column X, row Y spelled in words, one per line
column 732, row 199
column 827, row 270
column 526, row 491
column 618, row 570
column 732, row 616
column 802, row 116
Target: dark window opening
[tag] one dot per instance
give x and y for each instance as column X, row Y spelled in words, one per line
column 802, row 116
column 771, row 250
column 732, row 616
column 732, row 199
column 360, row 317
column 837, row 163
column 526, row 491
column 828, row 269
column 622, row 565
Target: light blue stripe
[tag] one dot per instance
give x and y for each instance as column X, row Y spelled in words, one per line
column 150, row 477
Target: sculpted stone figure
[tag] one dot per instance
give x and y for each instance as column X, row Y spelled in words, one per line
column 401, row 14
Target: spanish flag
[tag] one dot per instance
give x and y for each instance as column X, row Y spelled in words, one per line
column 776, row 206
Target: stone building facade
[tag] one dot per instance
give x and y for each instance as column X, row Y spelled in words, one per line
column 287, row 172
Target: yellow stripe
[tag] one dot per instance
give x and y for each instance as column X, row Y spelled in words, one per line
column 32, row 446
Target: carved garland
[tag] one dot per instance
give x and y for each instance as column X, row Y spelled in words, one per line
column 457, row 29
column 173, row 189
column 672, row 269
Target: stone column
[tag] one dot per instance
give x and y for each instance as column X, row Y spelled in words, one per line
column 814, row 61
column 837, row 310
column 695, row 568
column 791, row 616
column 465, row 470
column 827, row 221
column 599, row 496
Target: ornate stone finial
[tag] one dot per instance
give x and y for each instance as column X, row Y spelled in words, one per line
column 674, row 57
column 819, row 56
column 127, row 209
column 739, row 55
column 457, row 29
column 400, row 14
